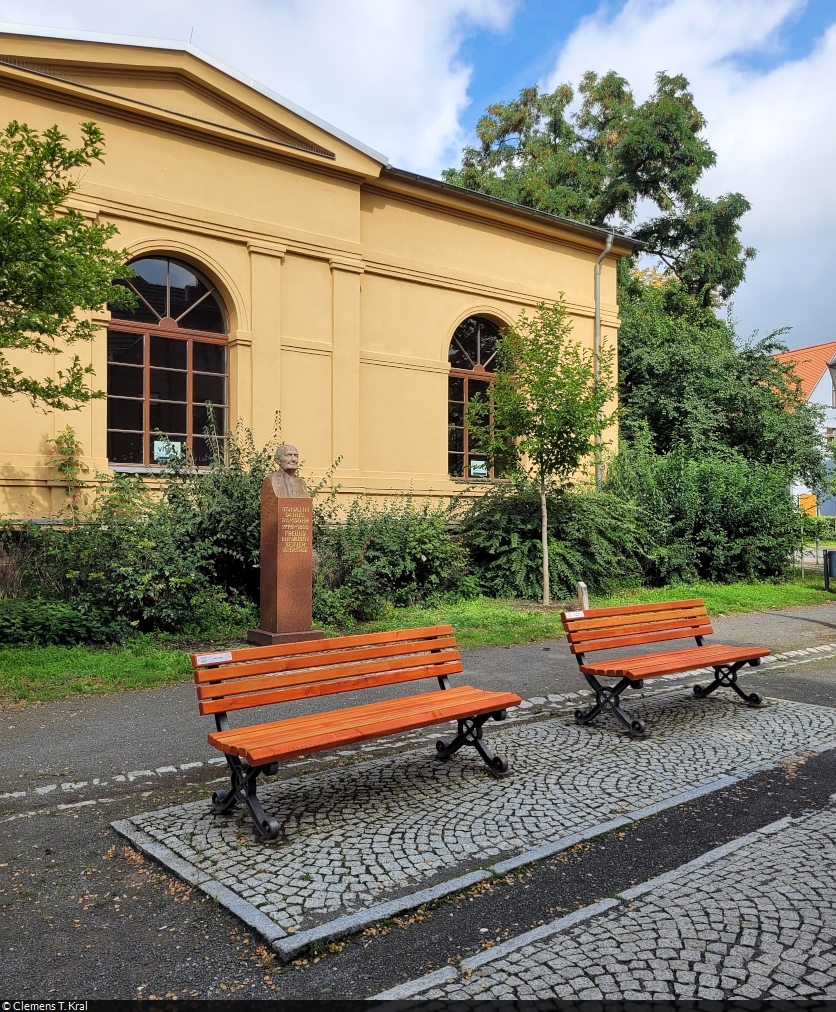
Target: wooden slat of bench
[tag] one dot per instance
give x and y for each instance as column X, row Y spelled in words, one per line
column 578, row 625
column 408, row 713
column 628, row 641
column 590, row 635
column 277, row 665
column 291, row 728
column 672, row 662
column 310, row 689
column 637, row 609
column 238, row 684
column 328, row 644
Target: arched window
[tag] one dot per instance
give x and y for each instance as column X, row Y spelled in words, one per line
column 472, row 363
column 165, row 360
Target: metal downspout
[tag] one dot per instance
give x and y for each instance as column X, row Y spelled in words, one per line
column 597, row 349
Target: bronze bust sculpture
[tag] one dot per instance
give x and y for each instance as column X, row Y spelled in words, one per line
column 286, row 484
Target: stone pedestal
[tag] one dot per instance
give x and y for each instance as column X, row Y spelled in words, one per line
column 286, row 569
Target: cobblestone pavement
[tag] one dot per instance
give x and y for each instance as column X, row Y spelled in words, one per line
column 356, row 835
column 756, row 922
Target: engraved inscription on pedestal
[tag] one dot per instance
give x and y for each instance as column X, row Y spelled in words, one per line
column 295, row 526
column 286, row 555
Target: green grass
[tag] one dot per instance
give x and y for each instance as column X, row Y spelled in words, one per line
column 486, row 622
column 44, row 673
column 730, row 598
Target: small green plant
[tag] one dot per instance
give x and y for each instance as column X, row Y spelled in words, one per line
column 69, row 465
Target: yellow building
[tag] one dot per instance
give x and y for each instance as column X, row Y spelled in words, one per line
column 282, row 266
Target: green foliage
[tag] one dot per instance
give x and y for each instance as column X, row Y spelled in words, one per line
column 123, row 559
column 823, row 528
column 714, row 517
column 597, row 538
column 68, row 464
column 52, row 261
column 546, row 407
column 701, row 246
column 35, row 620
column 374, row 557
column 686, row 379
column 547, row 401
column 595, row 163
column 218, row 507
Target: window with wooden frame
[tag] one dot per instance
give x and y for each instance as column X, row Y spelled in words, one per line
column 472, row 364
column 167, row 366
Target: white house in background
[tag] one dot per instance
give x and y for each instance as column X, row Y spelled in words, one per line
column 816, row 367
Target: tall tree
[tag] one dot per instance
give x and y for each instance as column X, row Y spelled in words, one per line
column 53, row 262
column 686, row 378
column 548, row 403
column 596, row 161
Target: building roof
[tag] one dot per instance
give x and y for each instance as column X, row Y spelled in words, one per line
column 810, row 363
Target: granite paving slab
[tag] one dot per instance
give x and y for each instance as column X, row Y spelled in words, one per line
column 754, row 919
column 357, row 835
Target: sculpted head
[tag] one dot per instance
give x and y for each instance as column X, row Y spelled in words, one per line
column 287, row 457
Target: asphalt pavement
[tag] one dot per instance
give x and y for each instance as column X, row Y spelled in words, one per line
column 84, row 915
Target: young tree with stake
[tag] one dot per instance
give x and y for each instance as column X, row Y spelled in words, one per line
column 547, row 406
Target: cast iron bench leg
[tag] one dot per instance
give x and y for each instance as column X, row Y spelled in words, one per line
column 608, row 699
column 243, row 788
column 470, row 733
column 726, row 674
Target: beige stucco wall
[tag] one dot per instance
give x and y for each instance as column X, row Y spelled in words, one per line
column 343, row 283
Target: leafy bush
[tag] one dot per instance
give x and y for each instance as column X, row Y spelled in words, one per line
column 716, row 517
column 374, row 557
column 218, row 508
column 596, row 538
column 124, row 560
column 823, row 528
column 35, row 620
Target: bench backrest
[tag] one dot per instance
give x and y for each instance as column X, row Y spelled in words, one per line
column 610, row 628
column 258, row 676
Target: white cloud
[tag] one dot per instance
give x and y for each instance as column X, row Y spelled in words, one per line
column 773, row 131
column 386, row 72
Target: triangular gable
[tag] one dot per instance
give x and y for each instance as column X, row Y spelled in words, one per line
column 179, row 81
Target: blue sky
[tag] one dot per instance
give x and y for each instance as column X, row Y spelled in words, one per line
column 412, row 77
column 525, row 52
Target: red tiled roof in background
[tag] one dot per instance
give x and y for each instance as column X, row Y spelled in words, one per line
column 810, row 363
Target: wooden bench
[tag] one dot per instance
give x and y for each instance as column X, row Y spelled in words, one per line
column 261, row 676
column 613, row 628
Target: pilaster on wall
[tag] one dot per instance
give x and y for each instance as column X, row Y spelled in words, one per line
column 258, row 355
column 345, row 366
column 240, row 377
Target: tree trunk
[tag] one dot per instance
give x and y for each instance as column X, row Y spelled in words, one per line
column 544, row 518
